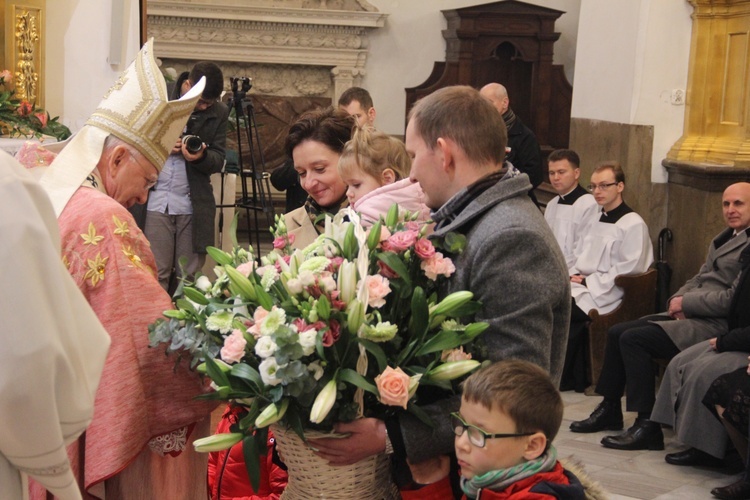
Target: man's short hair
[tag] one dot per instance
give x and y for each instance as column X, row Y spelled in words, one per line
column 614, row 167
column 214, row 78
column 521, row 390
column 358, row 94
column 461, row 114
column 565, row 154
column 329, row 126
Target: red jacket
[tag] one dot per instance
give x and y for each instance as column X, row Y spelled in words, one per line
column 229, row 472
column 555, row 484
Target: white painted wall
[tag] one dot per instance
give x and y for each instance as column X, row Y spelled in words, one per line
column 78, row 44
column 403, row 52
column 630, row 55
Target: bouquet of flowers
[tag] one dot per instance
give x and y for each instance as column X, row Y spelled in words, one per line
column 22, row 119
column 349, row 326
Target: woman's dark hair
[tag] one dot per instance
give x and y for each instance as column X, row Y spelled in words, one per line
column 329, row 126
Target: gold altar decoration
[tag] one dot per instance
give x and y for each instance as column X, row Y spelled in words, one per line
column 23, row 47
column 717, row 111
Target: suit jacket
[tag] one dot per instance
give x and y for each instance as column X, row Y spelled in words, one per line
column 706, row 296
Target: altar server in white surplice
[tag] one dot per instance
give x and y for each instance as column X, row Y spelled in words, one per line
column 571, row 212
column 617, row 242
column 53, row 345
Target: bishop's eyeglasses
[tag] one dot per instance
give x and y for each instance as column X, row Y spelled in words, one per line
column 477, row 436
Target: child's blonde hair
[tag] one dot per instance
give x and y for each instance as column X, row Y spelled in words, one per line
column 372, row 152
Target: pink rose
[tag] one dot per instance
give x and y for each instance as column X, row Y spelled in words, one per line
column 437, row 265
column 42, row 117
column 400, row 241
column 334, row 264
column 412, row 225
column 331, row 335
column 386, row 271
column 234, row 347
column 246, row 268
column 24, row 109
column 378, row 287
column 6, row 76
column 424, row 248
column 282, row 241
column 393, row 386
column 455, row 355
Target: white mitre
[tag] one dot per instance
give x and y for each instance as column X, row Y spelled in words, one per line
column 137, row 110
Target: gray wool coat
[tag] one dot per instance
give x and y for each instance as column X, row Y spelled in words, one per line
column 706, row 296
column 513, row 265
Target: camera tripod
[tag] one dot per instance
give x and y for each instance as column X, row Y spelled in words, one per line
column 256, row 197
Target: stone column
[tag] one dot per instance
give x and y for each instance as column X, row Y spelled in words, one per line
column 345, row 78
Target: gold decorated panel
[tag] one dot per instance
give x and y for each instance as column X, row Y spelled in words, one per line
column 23, row 47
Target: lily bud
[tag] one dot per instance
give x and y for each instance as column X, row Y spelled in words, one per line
column 392, row 217
column 414, row 384
column 453, row 369
column 355, row 315
column 374, row 238
column 451, row 303
column 323, row 402
column 217, row 442
column 244, row 285
column 347, row 282
column 226, row 368
column 271, row 414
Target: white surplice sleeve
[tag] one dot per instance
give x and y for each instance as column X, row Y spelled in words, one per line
column 53, row 345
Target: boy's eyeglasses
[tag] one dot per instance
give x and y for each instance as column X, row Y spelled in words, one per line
column 603, row 187
column 477, row 436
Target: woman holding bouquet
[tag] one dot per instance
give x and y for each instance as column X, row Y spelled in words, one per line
column 315, row 143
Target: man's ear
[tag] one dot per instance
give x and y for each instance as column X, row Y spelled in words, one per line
column 446, row 150
column 371, row 114
column 535, row 446
column 117, row 158
column 388, row 176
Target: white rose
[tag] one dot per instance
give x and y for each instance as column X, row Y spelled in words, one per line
column 203, row 284
column 265, row 347
column 307, row 341
column 267, row 369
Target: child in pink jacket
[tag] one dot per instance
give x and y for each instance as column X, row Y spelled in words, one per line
column 375, row 167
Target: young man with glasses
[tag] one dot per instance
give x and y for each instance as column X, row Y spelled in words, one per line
column 510, row 413
column 616, row 243
column 178, row 219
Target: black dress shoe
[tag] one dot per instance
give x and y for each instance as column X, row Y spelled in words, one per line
column 693, row 456
column 735, row 491
column 606, row 417
column 644, row 435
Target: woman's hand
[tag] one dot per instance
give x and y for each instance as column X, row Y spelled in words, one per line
column 366, row 438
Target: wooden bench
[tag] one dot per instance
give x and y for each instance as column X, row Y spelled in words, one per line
column 638, row 300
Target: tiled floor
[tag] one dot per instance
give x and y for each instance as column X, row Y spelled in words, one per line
column 633, row 474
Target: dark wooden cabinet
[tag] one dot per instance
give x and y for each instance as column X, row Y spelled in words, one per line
column 510, row 43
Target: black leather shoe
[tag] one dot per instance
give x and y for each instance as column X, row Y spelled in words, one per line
column 735, row 491
column 606, row 417
column 644, row 435
column 695, row 457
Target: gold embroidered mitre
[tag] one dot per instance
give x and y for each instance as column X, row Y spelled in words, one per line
column 137, row 109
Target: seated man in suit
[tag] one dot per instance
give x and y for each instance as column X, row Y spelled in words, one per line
column 632, row 346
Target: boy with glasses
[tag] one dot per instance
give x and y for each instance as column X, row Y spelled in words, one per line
column 510, row 413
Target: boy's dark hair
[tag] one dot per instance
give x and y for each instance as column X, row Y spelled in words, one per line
column 565, row 154
column 358, row 94
column 614, row 167
column 329, row 126
column 520, row 389
column 214, row 78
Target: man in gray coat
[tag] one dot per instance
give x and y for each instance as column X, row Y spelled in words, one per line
column 510, row 261
column 695, row 313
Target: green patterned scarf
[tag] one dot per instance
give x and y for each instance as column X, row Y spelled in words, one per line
column 498, row 480
column 317, row 213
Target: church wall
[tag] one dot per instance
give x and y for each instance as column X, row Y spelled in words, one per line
column 402, row 53
column 78, row 46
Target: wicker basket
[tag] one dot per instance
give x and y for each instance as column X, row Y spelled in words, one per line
column 311, row 477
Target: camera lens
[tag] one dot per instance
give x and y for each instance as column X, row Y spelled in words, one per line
column 192, row 143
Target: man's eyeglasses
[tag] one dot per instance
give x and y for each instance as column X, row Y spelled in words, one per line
column 150, row 180
column 477, row 436
column 602, row 187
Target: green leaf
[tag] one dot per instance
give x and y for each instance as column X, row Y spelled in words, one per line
column 195, row 295
column 377, row 352
column 251, row 454
column 448, row 339
column 420, row 414
column 246, row 372
column 420, row 313
column 391, row 260
column 264, row 299
column 220, row 256
column 354, row 378
column 216, row 374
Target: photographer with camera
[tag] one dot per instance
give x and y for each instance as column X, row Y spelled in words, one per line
column 178, row 218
